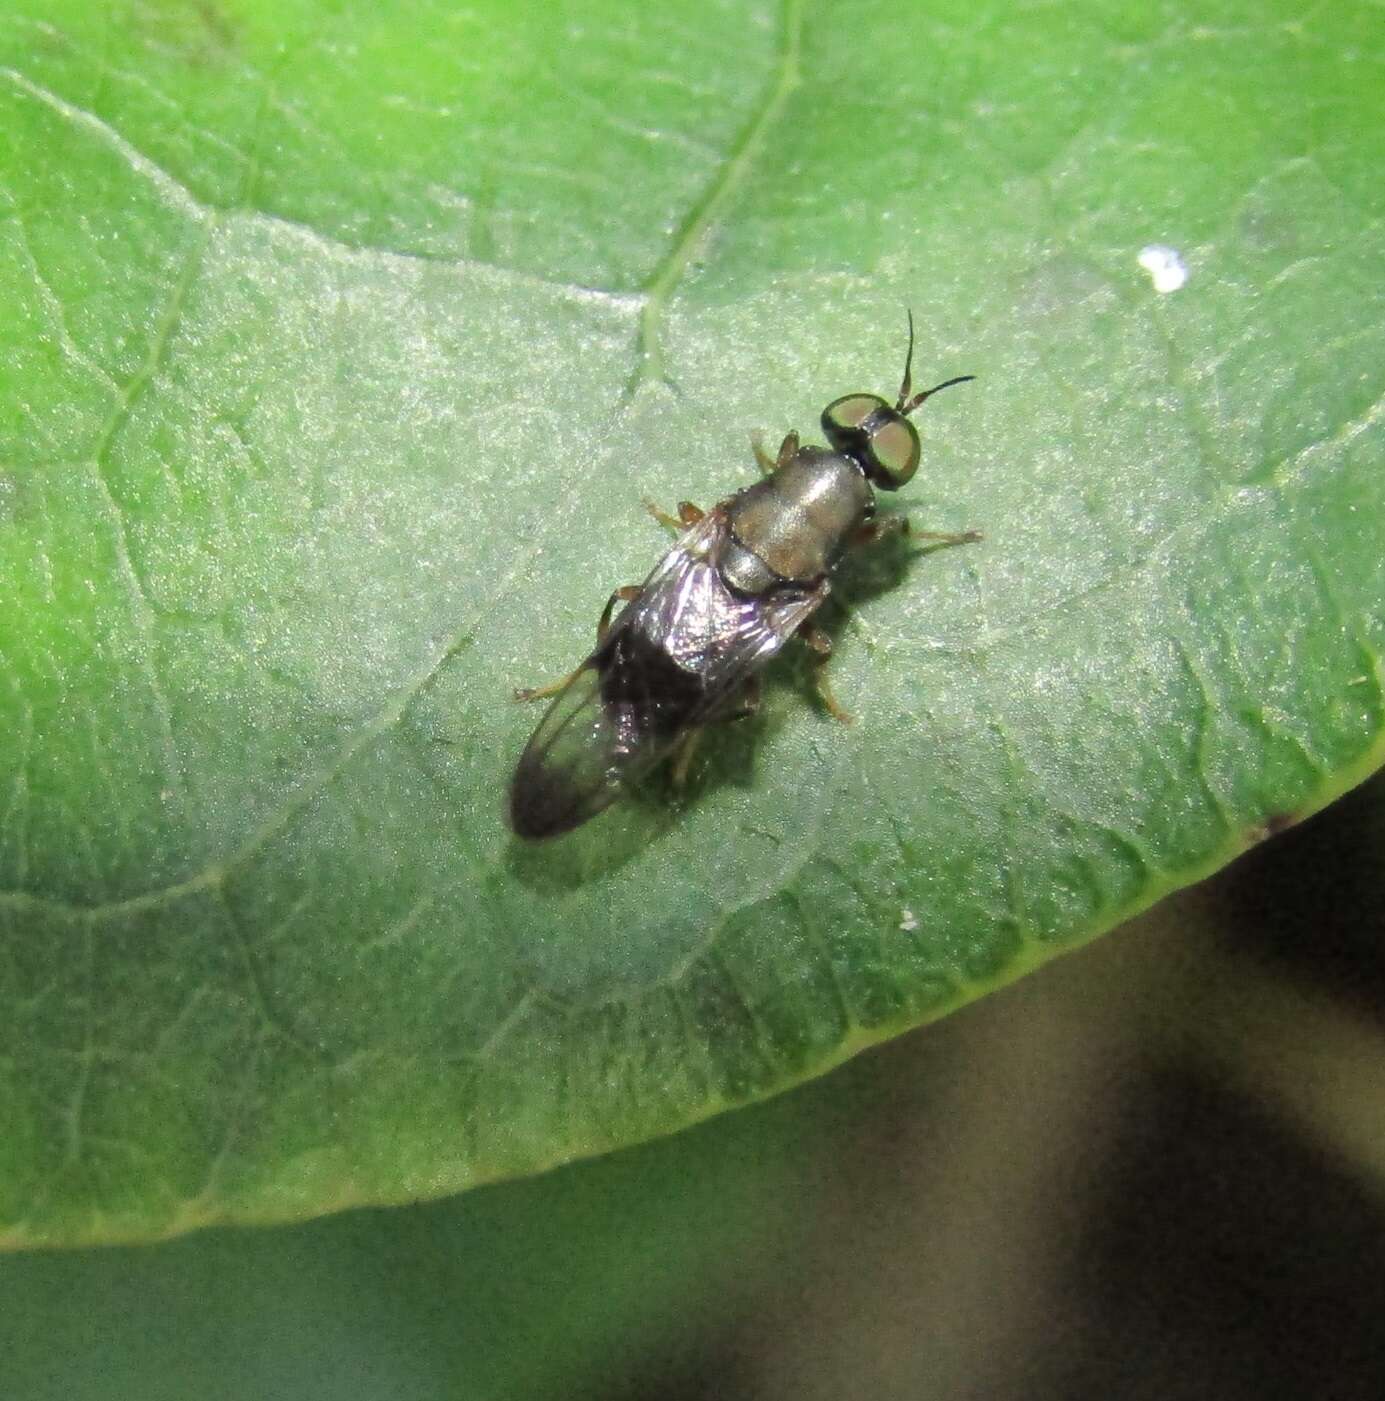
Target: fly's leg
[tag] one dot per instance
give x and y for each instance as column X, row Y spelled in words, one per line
column 532, row 693
column 688, row 515
column 946, row 537
column 881, row 529
column 741, row 706
column 820, row 645
column 875, row 530
column 788, row 450
column 625, row 593
column 747, row 703
column 683, row 757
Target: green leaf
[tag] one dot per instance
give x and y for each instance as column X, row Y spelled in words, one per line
column 341, row 345
column 568, row 1284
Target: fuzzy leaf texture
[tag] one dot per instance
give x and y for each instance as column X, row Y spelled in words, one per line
column 340, row 344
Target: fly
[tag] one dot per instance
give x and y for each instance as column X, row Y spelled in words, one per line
column 742, row 579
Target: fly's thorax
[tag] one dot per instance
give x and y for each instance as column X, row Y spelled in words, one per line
column 794, row 525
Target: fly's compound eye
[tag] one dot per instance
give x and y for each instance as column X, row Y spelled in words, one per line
column 844, row 420
column 894, row 450
column 880, row 438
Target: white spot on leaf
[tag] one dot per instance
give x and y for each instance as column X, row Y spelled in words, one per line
column 1165, row 266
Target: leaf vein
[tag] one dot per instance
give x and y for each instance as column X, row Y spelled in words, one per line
column 700, row 218
column 182, row 198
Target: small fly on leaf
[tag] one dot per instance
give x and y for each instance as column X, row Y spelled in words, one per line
column 687, row 649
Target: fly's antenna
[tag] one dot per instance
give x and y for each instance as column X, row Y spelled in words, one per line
column 907, row 383
column 904, row 404
column 907, row 409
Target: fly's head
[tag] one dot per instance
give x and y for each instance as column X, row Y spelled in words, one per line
column 877, row 435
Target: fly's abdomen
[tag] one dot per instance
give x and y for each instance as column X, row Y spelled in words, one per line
column 641, row 679
column 615, row 719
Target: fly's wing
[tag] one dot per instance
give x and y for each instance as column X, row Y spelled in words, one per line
column 574, row 763
column 677, row 655
column 709, row 631
column 622, row 712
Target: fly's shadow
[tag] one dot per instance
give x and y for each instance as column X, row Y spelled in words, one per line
column 729, row 753
column 727, row 756
column 878, row 569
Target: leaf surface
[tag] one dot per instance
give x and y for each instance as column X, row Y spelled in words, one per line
column 341, row 347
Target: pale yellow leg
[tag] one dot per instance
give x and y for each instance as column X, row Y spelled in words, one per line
column 683, row 757
column 821, row 647
column 788, row 449
column 626, row 593
column 943, row 537
column 875, row 530
column 533, row 693
column 688, row 514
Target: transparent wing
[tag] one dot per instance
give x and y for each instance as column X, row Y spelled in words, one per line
column 677, row 656
column 687, row 612
column 576, row 760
